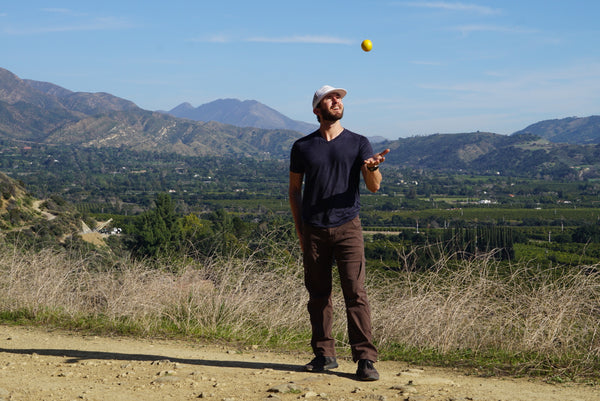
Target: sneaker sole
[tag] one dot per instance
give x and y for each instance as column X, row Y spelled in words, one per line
column 324, row 368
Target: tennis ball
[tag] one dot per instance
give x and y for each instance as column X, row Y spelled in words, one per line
column 366, row 45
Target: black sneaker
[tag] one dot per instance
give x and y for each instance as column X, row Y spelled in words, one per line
column 321, row 363
column 366, row 371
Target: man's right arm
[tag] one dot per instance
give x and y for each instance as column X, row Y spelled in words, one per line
column 295, row 195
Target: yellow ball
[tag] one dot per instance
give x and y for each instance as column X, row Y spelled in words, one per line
column 366, row 45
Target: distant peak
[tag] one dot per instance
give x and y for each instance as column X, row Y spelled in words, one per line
column 182, row 107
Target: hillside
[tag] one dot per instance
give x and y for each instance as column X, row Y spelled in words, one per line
column 45, row 113
column 521, row 155
column 41, row 112
column 150, row 131
column 574, row 130
column 247, row 113
column 12, row 197
column 23, row 218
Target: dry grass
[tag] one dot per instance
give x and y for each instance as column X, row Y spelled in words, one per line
column 235, row 298
column 476, row 306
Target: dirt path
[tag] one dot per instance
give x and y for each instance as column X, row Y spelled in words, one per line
column 36, row 206
column 37, row 364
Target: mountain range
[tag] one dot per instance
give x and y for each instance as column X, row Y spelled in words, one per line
column 575, row 130
column 41, row 112
column 32, row 111
column 247, row 113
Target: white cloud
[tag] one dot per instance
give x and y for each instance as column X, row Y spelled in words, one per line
column 59, row 11
column 302, row 39
column 505, row 103
column 454, row 7
column 215, row 38
column 299, row 39
column 466, row 29
column 428, row 63
column 574, row 87
column 97, row 24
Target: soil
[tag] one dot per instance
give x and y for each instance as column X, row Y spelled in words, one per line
column 40, row 364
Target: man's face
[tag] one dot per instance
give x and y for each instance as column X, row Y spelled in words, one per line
column 331, row 107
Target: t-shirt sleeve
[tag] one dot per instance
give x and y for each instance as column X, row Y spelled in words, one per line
column 366, row 150
column 296, row 165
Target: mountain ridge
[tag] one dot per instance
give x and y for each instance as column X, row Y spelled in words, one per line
column 574, row 130
column 46, row 113
column 242, row 113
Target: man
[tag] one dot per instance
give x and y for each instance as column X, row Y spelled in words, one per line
column 330, row 162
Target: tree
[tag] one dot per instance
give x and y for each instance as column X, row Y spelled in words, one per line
column 196, row 235
column 587, row 233
column 158, row 230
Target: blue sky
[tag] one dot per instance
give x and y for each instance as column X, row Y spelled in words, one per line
column 436, row 66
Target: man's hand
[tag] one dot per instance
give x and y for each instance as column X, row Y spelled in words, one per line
column 295, row 195
column 376, row 159
column 370, row 170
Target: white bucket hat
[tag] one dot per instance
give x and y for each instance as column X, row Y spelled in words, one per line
column 324, row 91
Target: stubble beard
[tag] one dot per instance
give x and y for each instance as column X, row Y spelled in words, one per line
column 328, row 115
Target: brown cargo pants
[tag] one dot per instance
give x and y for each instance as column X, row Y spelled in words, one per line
column 345, row 245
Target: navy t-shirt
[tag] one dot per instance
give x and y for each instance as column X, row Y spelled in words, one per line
column 332, row 172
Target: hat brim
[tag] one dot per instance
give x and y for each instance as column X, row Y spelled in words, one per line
column 341, row 91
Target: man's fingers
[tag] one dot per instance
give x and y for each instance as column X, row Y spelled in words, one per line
column 377, row 158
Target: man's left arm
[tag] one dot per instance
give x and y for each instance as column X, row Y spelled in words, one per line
column 370, row 170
